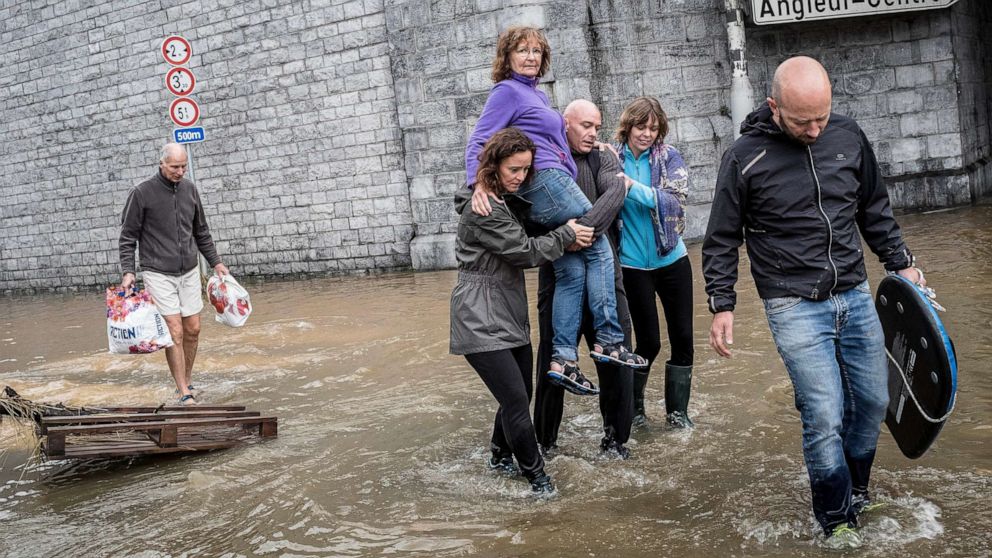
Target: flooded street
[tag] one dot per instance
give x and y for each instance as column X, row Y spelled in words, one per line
column 383, row 436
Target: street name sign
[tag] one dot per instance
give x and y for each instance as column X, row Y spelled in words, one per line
column 184, row 112
column 180, row 81
column 189, row 135
column 766, row 12
column 176, row 50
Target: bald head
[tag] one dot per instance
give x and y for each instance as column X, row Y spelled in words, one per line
column 801, row 98
column 582, row 124
column 172, row 162
column 579, row 107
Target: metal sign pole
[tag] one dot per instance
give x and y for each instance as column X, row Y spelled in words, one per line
column 204, row 266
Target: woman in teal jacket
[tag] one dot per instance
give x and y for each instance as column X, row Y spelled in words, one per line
column 652, row 253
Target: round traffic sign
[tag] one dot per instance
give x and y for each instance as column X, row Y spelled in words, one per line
column 180, row 81
column 176, row 50
column 184, row 112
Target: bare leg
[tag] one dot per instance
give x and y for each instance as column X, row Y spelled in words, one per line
column 191, row 340
column 174, row 355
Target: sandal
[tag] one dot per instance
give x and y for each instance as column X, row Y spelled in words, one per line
column 571, row 379
column 617, row 354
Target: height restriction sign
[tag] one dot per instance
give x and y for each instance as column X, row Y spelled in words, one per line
column 176, row 50
column 184, row 112
column 180, row 81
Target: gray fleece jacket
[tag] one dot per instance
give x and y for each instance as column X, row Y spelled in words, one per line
column 166, row 220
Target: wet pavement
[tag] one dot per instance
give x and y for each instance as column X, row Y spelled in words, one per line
column 383, row 436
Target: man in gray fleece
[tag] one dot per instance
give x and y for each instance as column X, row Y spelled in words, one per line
column 164, row 216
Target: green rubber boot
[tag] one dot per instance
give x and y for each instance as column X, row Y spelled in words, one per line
column 640, row 380
column 678, row 381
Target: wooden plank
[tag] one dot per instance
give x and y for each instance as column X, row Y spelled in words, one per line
column 167, row 437
column 47, row 422
column 156, row 425
column 173, row 408
column 148, row 448
column 268, row 428
column 55, row 445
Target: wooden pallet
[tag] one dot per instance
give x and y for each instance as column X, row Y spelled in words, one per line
column 134, row 431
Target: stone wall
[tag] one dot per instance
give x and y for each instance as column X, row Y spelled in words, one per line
column 302, row 170
column 970, row 23
column 336, row 130
column 897, row 76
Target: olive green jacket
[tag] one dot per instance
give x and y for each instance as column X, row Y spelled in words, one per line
column 489, row 302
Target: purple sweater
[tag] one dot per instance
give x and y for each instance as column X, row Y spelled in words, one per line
column 518, row 102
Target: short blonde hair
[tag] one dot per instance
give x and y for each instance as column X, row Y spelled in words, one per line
column 508, row 41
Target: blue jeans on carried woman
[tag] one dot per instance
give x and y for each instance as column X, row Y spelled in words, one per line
column 834, row 351
column 555, row 198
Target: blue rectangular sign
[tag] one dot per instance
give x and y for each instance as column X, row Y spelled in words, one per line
column 189, row 135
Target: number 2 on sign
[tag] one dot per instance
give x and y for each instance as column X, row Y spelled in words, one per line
column 176, row 50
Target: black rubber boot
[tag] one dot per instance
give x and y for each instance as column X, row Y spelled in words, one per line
column 542, row 487
column 678, row 381
column 640, row 380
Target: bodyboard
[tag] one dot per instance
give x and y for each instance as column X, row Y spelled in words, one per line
column 922, row 365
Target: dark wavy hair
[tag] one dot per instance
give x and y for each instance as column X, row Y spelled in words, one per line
column 639, row 113
column 507, row 43
column 504, row 143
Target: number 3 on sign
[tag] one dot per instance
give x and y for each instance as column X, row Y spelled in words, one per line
column 180, row 81
column 184, row 112
column 176, row 50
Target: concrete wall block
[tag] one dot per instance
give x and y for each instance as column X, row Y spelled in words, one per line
column 919, row 124
column 915, row 75
column 944, row 145
column 906, row 149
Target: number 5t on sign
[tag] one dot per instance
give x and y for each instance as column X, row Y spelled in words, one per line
column 184, row 111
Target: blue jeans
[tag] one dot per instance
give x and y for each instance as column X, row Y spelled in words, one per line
column 834, row 351
column 555, row 198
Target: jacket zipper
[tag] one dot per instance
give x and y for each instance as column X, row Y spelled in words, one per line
column 179, row 232
column 830, row 230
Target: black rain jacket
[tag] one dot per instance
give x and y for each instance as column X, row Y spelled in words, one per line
column 801, row 209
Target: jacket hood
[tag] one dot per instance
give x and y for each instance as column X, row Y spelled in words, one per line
column 463, row 196
column 760, row 122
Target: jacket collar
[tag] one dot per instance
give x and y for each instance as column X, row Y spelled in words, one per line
column 529, row 81
column 760, row 122
column 165, row 181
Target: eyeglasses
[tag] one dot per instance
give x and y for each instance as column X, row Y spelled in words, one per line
column 524, row 51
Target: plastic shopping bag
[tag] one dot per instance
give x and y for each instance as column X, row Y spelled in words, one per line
column 230, row 300
column 134, row 325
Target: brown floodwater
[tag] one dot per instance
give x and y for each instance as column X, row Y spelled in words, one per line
column 383, row 436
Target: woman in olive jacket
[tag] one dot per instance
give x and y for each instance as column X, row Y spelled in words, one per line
column 489, row 323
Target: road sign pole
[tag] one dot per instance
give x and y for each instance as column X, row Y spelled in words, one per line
column 204, row 266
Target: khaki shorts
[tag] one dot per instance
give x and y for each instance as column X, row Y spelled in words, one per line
column 175, row 294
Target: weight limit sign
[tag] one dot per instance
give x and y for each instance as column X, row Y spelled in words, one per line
column 184, row 112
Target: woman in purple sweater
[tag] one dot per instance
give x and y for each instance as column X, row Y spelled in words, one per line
column 522, row 57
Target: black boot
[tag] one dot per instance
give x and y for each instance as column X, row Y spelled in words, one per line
column 678, row 380
column 640, row 380
column 541, row 486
